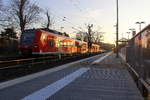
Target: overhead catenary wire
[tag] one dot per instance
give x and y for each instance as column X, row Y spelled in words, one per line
column 77, row 5
column 65, row 19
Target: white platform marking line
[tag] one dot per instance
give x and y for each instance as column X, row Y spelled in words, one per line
column 102, row 58
column 51, row 89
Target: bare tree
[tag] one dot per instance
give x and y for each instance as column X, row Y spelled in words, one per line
column 1, row 4
column 97, row 37
column 81, row 36
column 0, row 8
column 94, row 36
column 2, row 14
column 50, row 20
column 86, row 36
column 89, row 35
column 23, row 13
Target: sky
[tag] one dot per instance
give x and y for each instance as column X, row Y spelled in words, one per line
column 100, row 13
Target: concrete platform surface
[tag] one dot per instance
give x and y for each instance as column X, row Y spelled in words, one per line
column 100, row 78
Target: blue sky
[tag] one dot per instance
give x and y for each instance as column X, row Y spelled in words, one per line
column 101, row 13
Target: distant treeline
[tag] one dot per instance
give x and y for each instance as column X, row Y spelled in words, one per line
column 107, row 46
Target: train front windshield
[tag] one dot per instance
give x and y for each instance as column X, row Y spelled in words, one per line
column 27, row 37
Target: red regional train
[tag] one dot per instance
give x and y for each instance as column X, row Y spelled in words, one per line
column 42, row 42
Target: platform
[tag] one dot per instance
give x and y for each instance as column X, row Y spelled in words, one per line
column 99, row 78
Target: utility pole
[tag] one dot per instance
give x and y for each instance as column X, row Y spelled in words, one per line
column 117, row 30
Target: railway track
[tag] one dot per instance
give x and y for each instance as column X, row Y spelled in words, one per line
column 15, row 62
column 11, row 69
column 6, row 58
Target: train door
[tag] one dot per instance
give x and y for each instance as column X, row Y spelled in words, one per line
column 51, row 44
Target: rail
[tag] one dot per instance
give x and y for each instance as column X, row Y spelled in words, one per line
column 31, row 61
column 22, row 67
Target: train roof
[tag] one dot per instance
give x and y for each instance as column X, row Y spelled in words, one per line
column 55, row 33
column 45, row 29
column 52, row 31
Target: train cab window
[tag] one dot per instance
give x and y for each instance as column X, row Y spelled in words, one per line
column 27, row 37
column 51, row 43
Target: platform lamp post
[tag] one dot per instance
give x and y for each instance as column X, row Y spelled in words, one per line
column 133, row 31
column 140, row 24
column 117, row 30
column 141, row 50
column 128, row 34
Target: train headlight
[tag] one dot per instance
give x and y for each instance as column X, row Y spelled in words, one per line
column 35, row 46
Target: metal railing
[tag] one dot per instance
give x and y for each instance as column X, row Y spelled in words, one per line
column 139, row 67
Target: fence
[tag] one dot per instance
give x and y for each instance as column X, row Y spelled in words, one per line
column 8, row 46
column 137, row 55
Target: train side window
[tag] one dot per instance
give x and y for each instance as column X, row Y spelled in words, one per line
column 51, row 43
column 57, row 44
column 60, row 43
column 78, row 45
column 65, row 44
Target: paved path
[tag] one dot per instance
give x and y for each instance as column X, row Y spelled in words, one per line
column 99, row 78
